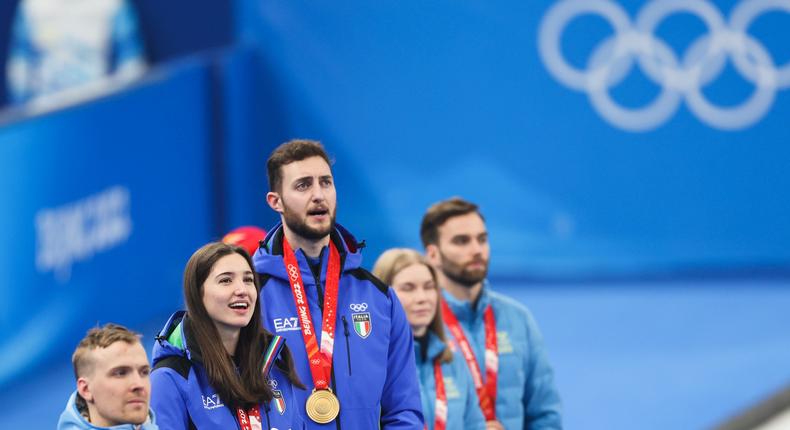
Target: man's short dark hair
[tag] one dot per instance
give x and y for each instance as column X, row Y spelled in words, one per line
column 439, row 213
column 287, row 153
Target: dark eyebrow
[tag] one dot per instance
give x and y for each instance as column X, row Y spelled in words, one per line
column 246, row 272
column 303, row 178
column 325, row 177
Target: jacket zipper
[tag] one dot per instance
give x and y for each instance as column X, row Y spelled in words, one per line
column 268, row 422
column 348, row 347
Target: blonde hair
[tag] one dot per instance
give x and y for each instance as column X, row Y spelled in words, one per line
column 99, row 338
column 390, row 263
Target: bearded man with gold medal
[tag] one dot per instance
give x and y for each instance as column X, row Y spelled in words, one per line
column 347, row 331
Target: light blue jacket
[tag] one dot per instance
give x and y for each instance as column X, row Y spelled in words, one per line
column 526, row 395
column 463, row 408
column 71, row 419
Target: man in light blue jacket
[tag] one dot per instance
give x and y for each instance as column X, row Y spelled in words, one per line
column 505, row 346
column 113, row 386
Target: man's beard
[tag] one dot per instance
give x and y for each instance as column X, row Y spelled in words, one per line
column 462, row 275
column 298, row 225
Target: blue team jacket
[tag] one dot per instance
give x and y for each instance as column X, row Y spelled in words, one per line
column 373, row 373
column 183, row 398
column 526, row 395
column 463, row 408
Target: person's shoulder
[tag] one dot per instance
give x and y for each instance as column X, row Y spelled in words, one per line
column 513, row 314
column 513, row 311
column 364, row 277
column 173, row 365
column 509, row 305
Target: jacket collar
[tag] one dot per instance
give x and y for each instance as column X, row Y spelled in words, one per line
column 435, row 348
column 464, row 310
column 72, row 418
column 269, row 257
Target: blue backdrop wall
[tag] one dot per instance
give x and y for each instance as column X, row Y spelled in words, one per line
column 601, row 139
column 102, row 204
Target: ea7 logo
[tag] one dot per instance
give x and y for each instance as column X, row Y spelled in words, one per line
column 212, row 402
column 286, row 324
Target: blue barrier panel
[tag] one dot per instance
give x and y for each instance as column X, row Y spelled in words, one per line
column 102, row 204
column 600, row 138
column 244, row 152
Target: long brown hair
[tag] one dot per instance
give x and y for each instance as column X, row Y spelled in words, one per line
column 247, row 387
column 390, row 263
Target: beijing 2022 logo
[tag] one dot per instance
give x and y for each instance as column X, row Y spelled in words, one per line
column 679, row 79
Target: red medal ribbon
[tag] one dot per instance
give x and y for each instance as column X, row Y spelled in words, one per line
column 320, row 359
column 440, row 410
column 250, row 419
column 485, row 392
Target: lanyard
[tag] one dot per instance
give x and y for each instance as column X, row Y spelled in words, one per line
column 249, row 420
column 440, row 410
column 486, row 393
column 320, row 360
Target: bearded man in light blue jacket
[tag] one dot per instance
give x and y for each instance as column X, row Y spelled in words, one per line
column 505, row 347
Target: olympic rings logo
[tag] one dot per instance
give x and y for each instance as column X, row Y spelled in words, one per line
column 293, row 272
column 358, row 307
column 679, row 79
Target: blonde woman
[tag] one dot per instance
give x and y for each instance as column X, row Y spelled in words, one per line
column 449, row 401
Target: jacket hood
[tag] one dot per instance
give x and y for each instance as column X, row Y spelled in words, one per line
column 268, row 260
column 71, row 419
column 173, row 339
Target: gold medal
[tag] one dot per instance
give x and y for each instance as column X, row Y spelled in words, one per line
column 322, row 406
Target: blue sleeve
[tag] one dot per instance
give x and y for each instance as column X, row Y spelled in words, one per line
column 167, row 402
column 542, row 400
column 473, row 416
column 400, row 404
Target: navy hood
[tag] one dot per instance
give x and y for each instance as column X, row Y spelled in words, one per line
column 174, row 340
